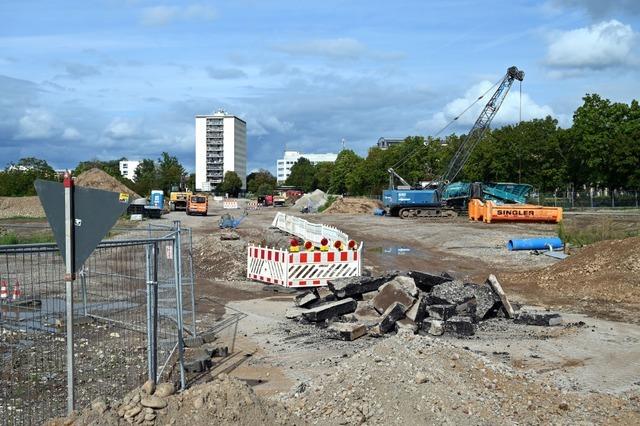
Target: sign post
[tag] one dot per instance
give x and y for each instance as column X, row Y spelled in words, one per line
column 69, row 276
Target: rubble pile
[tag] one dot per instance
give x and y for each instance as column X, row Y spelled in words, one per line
column 418, row 302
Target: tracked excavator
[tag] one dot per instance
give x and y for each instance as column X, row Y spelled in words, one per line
column 443, row 197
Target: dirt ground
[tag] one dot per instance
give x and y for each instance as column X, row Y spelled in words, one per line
column 583, row 372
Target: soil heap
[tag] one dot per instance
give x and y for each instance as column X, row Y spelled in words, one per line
column 20, row 206
column 354, row 205
column 98, row 179
column 315, row 200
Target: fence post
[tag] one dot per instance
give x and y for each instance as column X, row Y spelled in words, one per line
column 178, row 281
column 152, row 310
column 193, row 284
column 69, row 239
column 83, row 287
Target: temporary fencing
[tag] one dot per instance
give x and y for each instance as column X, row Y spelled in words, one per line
column 131, row 299
column 306, row 230
column 305, row 269
column 230, row 204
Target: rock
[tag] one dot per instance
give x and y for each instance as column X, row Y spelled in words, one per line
column 200, row 363
column 149, row 417
column 149, row 387
column 433, row 327
column 421, row 378
column 441, row 312
column 390, row 293
column 451, row 293
column 538, row 318
column 220, row 351
column 164, row 390
column 408, row 284
column 488, row 303
column 390, row 316
column 209, row 337
column 563, row 405
column 330, row 310
column 405, row 325
column 99, row 405
column 347, row 330
column 425, row 281
column 325, row 295
column 293, row 313
column 198, row 403
column 462, row 326
column 346, row 287
column 468, row 309
column 419, row 310
column 193, row 342
column 375, row 331
column 153, row 401
column 306, row 298
column 133, row 411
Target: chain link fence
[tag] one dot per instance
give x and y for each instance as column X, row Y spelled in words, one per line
column 587, row 199
column 130, row 299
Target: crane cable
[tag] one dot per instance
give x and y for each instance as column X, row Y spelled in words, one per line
column 419, row 149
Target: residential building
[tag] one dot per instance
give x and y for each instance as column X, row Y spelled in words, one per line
column 221, row 146
column 128, row 169
column 385, row 143
column 290, row 157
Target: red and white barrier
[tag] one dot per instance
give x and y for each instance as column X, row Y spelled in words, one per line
column 303, row 269
column 4, row 292
column 229, row 204
column 16, row 292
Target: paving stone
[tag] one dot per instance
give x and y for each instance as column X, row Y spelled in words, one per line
column 419, row 309
column 425, row 281
column 390, row 316
column 330, row 310
column 462, row 326
column 390, row 293
column 347, row 330
column 538, row 318
column 441, row 312
column 306, row 298
column 346, row 287
column 433, row 327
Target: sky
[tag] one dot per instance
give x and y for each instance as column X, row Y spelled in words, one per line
column 106, row 79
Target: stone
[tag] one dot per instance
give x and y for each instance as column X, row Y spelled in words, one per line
column 425, row 281
column 193, row 342
column 153, row 401
column 390, row 316
column 99, row 405
column 164, row 390
column 375, row 331
column 468, row 309
column 419, row 310
column 149, row 417
column 432, row 327
column 220, row 351
column 488, row 302
column 390, row 293
column 405, row 325
column 497, row 288
column 306, row 298
column 351, row 286
column 294, row 313
column 408, row 284
column 441, row 312
column 325, row 295
column 330, row 310
column 538, row 318
column 133, row 411
column 421, row 378
column 451, row 293
column 462, row 326
column 198, row 403
column 200, row 363
column 149, row 387
column 209, row 337
column 347, row 330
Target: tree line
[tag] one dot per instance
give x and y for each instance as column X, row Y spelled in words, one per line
column 600, row 150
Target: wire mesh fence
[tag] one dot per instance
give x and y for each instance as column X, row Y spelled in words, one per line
column 587, row 199
column 128, row 312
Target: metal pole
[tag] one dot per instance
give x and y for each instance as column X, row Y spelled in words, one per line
column 193, row 284
column 83, row 286
column 178, row 281
column 152, row 310
column 149, row 319
column 69, row 240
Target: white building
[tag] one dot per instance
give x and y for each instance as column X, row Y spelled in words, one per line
column 221, row 146
column 128, row 169
column 290, row 157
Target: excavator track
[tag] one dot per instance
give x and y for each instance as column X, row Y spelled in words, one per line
column 429, row 213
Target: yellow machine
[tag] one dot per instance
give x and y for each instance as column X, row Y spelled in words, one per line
column 178, row 198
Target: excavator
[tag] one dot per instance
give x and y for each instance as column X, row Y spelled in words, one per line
column 443, row 197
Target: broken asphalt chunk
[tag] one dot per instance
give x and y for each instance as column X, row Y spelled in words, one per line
column 330, row 310
column 390, row 293
column 425, row 281
column 462, row 326
column 306, row 298
column 346, row 287
column 347, row 330
column 538, row 318
column 390, row 316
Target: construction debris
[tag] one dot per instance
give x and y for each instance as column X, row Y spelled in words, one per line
column 423, row 302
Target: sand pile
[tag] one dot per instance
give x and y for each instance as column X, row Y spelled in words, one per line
column 315, row 200
column 354, row 205
column 98, row 179
column 20, row 206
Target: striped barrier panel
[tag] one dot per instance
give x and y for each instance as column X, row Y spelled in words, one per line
column 253, row 205
column 305, row 269
column 227, row 204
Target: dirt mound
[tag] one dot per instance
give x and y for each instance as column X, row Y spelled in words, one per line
column 20, row 206
column 98, row 179
column 222, row 401
column 315, row 200
column 607, row 272
column 354, row 205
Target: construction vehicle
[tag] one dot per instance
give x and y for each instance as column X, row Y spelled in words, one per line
column 197, row 204
column 178, row 197
column 441, row 197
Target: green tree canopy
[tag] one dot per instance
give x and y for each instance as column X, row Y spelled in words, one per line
column 170, row 172
column 302, row 175
column 231, row 184
column 261, row 179
column 146, row 175
column 17, row 179
column 343, row 178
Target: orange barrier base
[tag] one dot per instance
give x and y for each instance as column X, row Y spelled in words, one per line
column 490, row 212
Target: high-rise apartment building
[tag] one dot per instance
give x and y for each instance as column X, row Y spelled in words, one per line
column 221, row 146
column 290, row 157
column 128, row 169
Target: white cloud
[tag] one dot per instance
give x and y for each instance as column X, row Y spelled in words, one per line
column 263, row 125
column 333, row 48
column 225, row 73
column 36, row 123
column 598, row 46
column 122, row 128
column 508, row 113
column 71, row 134
column 163, row 15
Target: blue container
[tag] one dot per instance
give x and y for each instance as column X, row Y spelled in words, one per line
column 412, row 197
column 157, row 199
column 541, row 243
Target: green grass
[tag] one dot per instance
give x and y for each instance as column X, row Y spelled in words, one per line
column 605, row 229
column 23, row 219
column 330, row 200
column 11, row 238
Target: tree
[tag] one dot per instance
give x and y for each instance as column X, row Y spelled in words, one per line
column 231, row 184
column 170, row 172
column 345, row 164
column 17, row 179
column 261, row 179
column 146, row 175
column 322, row 175
column 302, row 175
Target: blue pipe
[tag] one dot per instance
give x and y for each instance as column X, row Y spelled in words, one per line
column 541, row 243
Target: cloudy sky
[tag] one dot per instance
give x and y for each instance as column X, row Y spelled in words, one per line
column 111, row 78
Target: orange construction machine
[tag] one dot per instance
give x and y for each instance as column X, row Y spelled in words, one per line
column 197, row 204
column 491, row 212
